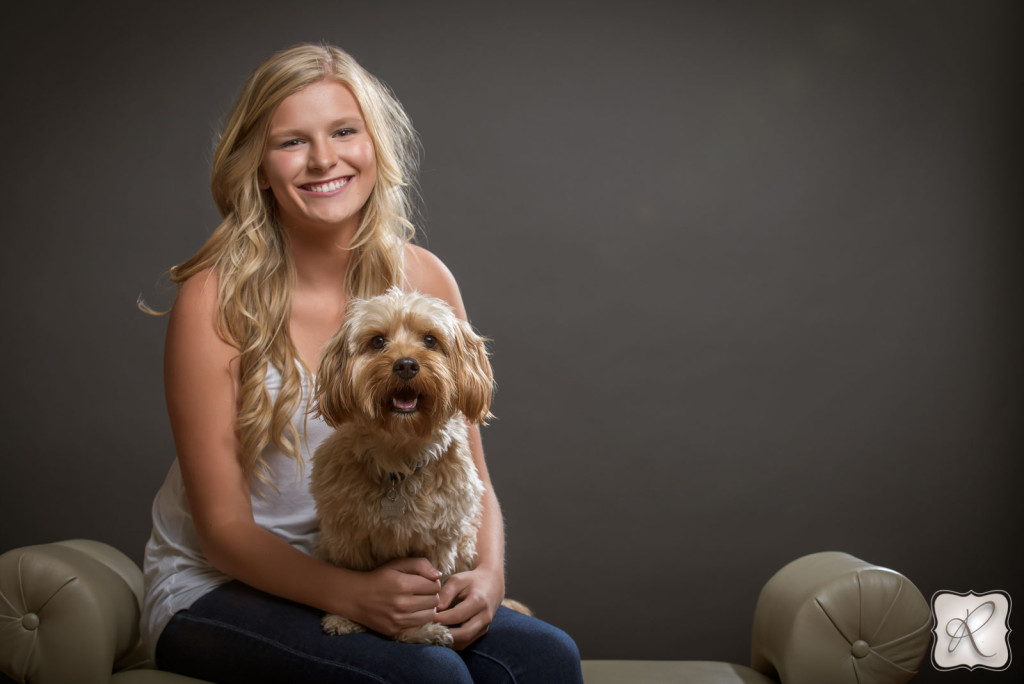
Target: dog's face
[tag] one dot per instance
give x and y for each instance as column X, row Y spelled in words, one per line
column 403, row 362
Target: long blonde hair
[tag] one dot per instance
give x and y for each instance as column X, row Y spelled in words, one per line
column 249, row 250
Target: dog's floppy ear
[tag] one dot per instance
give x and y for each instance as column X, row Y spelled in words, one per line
column 473, row 375
column 333, row 392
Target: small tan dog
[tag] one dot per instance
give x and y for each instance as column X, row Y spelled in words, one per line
column 398, row 382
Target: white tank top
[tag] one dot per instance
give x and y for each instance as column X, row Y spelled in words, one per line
column 176, row 571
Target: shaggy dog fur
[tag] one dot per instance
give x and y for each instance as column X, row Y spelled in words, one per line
column 398, row 382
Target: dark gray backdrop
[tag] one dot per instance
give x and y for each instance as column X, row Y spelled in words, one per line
column 751, row 270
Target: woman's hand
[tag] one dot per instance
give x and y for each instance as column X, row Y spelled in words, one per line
column 468, row 603
column 396, row 597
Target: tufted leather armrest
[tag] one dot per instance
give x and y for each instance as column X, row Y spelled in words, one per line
column 68, row 613
column 830, row 617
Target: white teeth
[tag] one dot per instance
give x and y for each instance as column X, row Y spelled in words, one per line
column 329, row 187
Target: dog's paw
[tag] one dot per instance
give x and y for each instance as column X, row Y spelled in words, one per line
column 335, row 624
column 517, row 606
column 430, row 633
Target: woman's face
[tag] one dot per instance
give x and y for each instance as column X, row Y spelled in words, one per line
column 319, row 161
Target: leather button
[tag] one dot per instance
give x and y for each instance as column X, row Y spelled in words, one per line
column 30, row 621
column 860, row 649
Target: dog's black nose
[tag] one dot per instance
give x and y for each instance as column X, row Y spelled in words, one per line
column 406, row 368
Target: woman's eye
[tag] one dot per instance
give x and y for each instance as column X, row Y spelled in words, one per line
column 290, row 143
column 378, row 342
column 344, row 132
column 429, row 341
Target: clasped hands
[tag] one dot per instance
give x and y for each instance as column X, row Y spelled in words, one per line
column 406, row 593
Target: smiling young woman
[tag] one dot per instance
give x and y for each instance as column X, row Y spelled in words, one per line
column 312, row 178
column 319, row 162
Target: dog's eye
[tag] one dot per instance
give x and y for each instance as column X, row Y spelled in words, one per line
column 377, row 342
column 429, row 341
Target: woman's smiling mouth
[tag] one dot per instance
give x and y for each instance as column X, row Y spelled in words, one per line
column 328, row 186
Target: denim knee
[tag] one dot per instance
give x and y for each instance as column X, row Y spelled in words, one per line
column 439, row 665
column 521, row 649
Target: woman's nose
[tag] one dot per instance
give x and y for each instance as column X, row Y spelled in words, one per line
column 321, row 156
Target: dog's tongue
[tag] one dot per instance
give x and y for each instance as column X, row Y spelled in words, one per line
column 404, row 400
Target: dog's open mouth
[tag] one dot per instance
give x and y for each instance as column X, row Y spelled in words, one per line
column 405, row 400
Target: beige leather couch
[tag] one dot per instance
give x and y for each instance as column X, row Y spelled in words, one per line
column 69, row 613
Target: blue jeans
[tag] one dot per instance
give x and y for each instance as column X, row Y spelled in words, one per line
column 238, row 634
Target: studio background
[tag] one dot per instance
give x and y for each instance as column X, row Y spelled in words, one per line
column 751, row 271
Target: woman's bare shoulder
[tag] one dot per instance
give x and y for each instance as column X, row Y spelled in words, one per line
column 193, row 326
column 426, row 273
column 199, row 292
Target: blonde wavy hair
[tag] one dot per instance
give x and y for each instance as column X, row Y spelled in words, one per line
column 249, row 251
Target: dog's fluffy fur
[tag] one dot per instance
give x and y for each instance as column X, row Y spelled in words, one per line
column 398, row 382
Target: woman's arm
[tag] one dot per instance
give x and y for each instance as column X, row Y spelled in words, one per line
column 201, row 377
column 478, row 592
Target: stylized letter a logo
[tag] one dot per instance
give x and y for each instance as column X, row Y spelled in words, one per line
column 971, row 630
